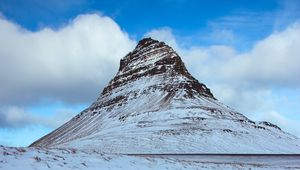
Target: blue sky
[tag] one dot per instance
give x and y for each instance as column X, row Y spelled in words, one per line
column 58, row 55
column 186, row 18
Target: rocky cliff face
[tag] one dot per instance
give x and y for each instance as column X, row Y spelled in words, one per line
column 154, row 105
column 151, row 59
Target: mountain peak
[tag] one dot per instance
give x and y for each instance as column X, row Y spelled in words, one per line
column 145, row 49
column 147, row 41
column 154, row 59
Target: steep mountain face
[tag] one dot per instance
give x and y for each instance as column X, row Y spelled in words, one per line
column 154, row 105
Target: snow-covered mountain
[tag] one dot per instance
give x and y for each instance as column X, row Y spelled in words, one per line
column 154, row 105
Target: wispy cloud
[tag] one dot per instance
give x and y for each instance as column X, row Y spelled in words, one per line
column 18, row 117
column 243, row 28
column 289, row 12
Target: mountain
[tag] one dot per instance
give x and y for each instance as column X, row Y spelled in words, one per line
column 154, row 105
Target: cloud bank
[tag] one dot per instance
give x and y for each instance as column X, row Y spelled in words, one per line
column 68, row 64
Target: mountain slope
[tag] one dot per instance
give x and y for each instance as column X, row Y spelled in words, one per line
column 154, row 105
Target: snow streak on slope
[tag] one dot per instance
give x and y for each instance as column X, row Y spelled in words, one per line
column 154, row 105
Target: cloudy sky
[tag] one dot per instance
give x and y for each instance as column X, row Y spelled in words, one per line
column 56, row 56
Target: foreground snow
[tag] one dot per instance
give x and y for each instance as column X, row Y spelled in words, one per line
column 37, row 158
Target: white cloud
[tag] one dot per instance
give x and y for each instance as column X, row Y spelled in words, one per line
column 18, row 117
column 163, row 34
column 274, row 60
column 223, row 35
column 58, row 64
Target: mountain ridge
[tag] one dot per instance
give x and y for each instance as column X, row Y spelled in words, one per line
column 155, row 105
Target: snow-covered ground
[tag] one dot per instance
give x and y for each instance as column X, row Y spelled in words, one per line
column 12, row 158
